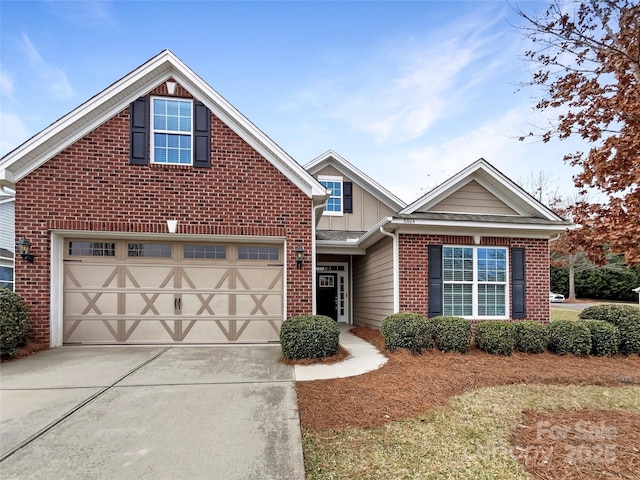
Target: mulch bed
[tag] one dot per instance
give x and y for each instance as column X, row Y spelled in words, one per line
column 29, row 349
column 579, row 444
column 410, row 384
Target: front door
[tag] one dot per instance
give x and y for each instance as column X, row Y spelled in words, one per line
column 328, row 295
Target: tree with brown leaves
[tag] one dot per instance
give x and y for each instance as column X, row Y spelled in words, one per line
column 587, row 56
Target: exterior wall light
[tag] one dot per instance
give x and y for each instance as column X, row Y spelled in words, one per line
column 24, row 248
column 299, row 256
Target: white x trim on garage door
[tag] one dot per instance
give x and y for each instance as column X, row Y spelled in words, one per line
column 131, row 291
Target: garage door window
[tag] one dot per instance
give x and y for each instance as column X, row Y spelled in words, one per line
column 159, row 250
column 92, row 249
column 258, row 253
column 205, row 251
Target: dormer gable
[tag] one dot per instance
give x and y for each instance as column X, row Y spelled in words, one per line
column 357, row 202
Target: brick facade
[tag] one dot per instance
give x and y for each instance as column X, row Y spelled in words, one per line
column 91, row 186
column 414, row 263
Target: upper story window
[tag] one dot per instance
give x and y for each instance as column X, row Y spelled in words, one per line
column 334, row 204
column 172, row 125
column 475, row 281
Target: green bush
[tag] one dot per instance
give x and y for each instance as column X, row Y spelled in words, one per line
column 497, row 337
column 625, row 317
column 14, row 322
column 611, row 313
column 531, row 336
column 407, row 330
column 605, row 337
column 629, row 336
column 566, row 336
column 451, row 334
column 309, row 336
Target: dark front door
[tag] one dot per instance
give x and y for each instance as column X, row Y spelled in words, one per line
column 327, row 296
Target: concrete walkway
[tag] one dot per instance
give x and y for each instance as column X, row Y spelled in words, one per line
column 364, row 358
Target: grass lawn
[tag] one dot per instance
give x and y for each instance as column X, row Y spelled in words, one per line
column 559, row 313
column 474, row 416
column 470, row 438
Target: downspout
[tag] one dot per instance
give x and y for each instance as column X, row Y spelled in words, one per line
column 313, row 256
column 396, row 269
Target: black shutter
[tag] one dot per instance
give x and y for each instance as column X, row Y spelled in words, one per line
column 435, row 281
column 139, row 132
column 518, row 297
column 347, row 197
column 201, row 135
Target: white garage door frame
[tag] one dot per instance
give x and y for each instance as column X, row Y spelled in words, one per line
column 57, row 270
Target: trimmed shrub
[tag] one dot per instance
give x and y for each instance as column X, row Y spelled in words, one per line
column 625, row 317
column 610, row 313
column 309, row 336
column 451, row 334
column 629, row 336
column 407, row 330
column 605, row 337
column 497, row 337
column 14, row 322
column 566, row 336
column 531, row 336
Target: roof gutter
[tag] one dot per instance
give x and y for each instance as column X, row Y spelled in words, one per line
column 396, row 268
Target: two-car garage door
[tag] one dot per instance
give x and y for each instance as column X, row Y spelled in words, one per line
column 133, row 291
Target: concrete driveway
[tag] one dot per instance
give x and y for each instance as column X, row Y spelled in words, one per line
column 223, row 412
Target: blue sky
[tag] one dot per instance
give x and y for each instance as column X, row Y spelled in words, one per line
column 409, row 92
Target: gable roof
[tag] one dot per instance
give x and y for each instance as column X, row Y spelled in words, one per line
column 374, row 188
column 27, row 157
column 494, row 181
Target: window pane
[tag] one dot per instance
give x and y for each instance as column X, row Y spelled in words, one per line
column 457, row 264
column 334, row 204
column 492, row 265
column 92, row 249
column 149, row 250
column 6, row 274
column 491, row 300
column 172, row 135
column 205, row 251
column 458, row 299
column 258, row 253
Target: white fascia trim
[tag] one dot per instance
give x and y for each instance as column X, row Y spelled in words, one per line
column 354, row 173
column 483, row 225
column 339, row 248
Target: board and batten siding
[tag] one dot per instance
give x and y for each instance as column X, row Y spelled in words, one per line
column 373, row 285
column 473, row 198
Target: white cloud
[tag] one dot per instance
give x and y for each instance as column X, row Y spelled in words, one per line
column 12, row 132
column 399, row 92
column 6, row 85
column 52, row 78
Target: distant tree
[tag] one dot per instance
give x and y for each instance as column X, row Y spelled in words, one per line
column 587, row 56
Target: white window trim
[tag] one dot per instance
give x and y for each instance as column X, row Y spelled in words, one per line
column 152, row 153
column 475, row 283
column 331, row 178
